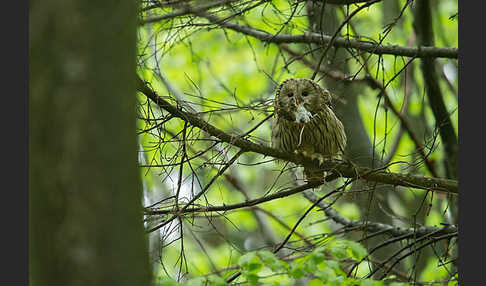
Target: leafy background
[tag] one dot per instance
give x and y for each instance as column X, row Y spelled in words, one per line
column 229, row 79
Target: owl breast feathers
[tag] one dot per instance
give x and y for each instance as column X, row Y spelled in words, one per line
column 304, row 122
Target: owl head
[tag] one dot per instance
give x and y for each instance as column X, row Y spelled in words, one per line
column 300, row 91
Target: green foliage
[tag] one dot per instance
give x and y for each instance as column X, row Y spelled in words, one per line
column 168, row 282
column 340, row 249
column 322, row 266
column 197, row 281
column 229, row 78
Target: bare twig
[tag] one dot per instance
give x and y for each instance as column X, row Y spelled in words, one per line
column 336, row 33
column 375, row 226
column 196, row 197
column 249, row 203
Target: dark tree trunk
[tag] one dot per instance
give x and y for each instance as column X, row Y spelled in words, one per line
column 85, row 193
column 373, row 205
column 423, row 26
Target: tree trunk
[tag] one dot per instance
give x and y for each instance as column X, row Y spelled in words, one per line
column 423, row 26
column 359, row 148
column 85, row 193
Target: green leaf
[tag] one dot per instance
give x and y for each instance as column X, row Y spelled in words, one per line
column 252, row 278
column 339, row 280
column 315, row 282
column 279, row 266
column 399, row 284
column 250, row 262
column 325, row 274
column 357, row 251
column 216, row 280
column 270, row 260
column 169, row 282
column 310, row 267
column 334, row 265
column 341, row 249
column 198, row 281
column 317, row 257
column 296, row 271
column 338, row 252
column 369, row 282
column 267, row 257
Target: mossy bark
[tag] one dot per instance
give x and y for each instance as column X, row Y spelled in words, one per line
column 85, row 192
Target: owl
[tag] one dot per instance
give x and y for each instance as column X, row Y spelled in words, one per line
column 305, row 123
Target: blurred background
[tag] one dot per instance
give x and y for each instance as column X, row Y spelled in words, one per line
column 223, row 60
column 150, row 158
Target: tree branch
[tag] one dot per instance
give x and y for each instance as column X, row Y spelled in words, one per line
column 342, row 168
column 376, row 226
column 246, row 204
column 187, row 9
column 345, row 2
column 420, row 52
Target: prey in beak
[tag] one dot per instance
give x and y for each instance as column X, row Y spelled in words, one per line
column 302, row 115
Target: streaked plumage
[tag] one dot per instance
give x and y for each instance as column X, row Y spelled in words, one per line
column 323, row 135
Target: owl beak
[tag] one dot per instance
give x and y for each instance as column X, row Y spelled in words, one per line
column 297, row 101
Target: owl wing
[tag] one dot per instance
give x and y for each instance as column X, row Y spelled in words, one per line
column 330, row 133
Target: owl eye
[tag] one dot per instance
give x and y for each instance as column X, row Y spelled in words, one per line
column 305, row 93
column 290, row 94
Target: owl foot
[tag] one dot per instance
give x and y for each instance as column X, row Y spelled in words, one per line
column 318, row 157
column 302, row 153
column 312, row 156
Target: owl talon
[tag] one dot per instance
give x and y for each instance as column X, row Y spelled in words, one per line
column 302, row 153
column 318, row 157
column 321, row 160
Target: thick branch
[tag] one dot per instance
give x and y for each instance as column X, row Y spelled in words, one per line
column 344, row 169
column 344, row 2
column 181, row 12
column 420, row 52
column 187, row 9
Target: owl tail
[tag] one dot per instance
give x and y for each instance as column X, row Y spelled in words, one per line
column 314, row 174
